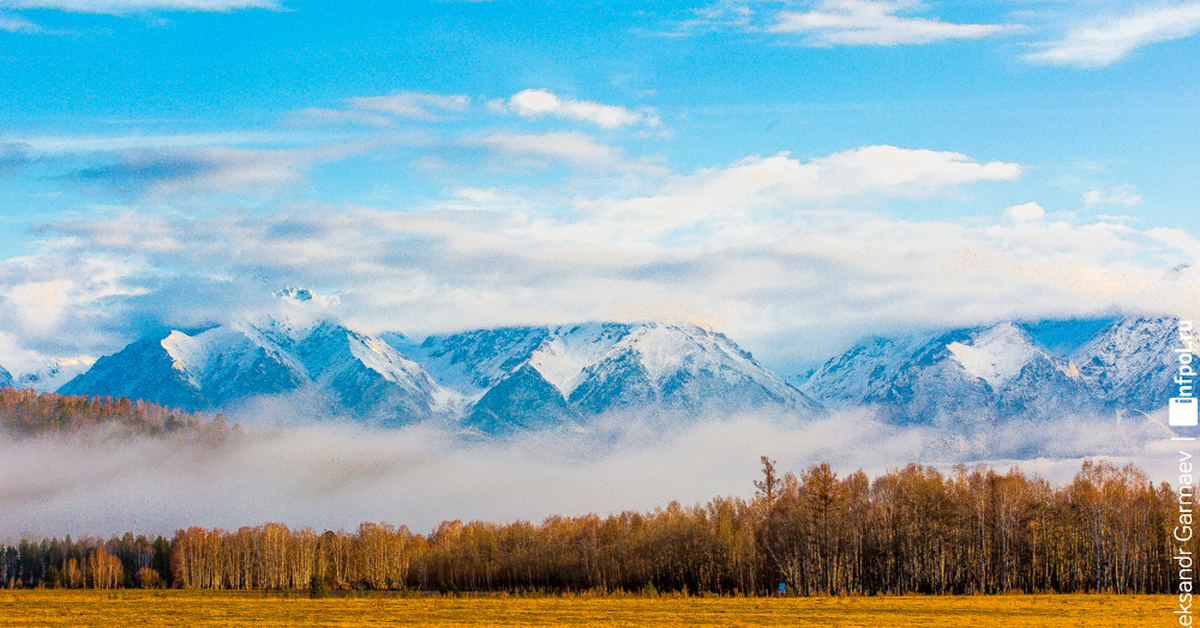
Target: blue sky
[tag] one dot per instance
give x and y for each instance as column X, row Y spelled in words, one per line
column 793, row 173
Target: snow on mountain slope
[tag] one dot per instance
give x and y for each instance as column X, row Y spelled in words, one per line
column 522, row 401
column 6, row 380
column 863, row 374
column 681, row 367
column 569, row 349
column 369, row 376
column 51, row 375
column 997, row 355
column 142, row 370
column 474, row 361
column 225, row 365
column 979, row 375
column 531, row 378
column 521, row 377
column 1131, row 362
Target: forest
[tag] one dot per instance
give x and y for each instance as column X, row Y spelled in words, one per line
column 912, row 530
column 27, row 413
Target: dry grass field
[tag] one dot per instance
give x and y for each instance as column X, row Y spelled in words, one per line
column 28, row 609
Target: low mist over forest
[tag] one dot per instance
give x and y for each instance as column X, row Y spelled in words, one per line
column 912, row 530
column 103, row 467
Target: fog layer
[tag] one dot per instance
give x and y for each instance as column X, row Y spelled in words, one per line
column 336, row 475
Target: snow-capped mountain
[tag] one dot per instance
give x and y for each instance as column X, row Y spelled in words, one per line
column 142, row 370
column 529, row 377
column 532, row 378
column 495, row 381
column 6, row 380
column 1005, row 371
column 222, row 366
column 51, row 375
column 1130, row 363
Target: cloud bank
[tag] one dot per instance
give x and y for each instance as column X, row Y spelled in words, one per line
column 775, row 251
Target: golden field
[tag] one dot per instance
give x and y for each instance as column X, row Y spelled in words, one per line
column 28, row 609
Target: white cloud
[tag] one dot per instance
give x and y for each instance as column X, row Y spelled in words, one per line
column 119, row 7
column 718, row 16
column 909, row 172
column 1025, row 212
column 1124, row 195
column 534, row 103
column 1106, row 41
column 69, row 144
column 161, row 166
column 875, row 23
column 570, row 147
column 317, row 116
column 563, row 145
column 62, row 300
column 201, row 170
column 18, row 24
column 764, row 246
column 869, row 171
column 415, row 105
column 383, row 111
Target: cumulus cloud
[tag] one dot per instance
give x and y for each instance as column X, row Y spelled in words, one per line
column 535, row 103
column 119, row 7
column 1024, row 212
column 875, row 23
column 763, row 248
column 879, row 170
column 64, row 301
column 1105, row 41
column 1124, row 195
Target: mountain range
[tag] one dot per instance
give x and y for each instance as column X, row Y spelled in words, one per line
column 492, row 381
column 1006, row 371
column 531, row 377
column 498, row 381
column 222, row 366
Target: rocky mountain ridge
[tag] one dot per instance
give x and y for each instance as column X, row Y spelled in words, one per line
column 532, row 378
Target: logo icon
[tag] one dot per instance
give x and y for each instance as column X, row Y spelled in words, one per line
column 1182, row 411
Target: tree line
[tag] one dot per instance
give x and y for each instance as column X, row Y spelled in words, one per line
column 27, row 413
column 914, row 529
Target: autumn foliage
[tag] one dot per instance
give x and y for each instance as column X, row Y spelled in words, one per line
column 25, row 412
column 914, row 529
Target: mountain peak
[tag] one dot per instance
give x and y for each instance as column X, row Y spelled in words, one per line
column 996, row 354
